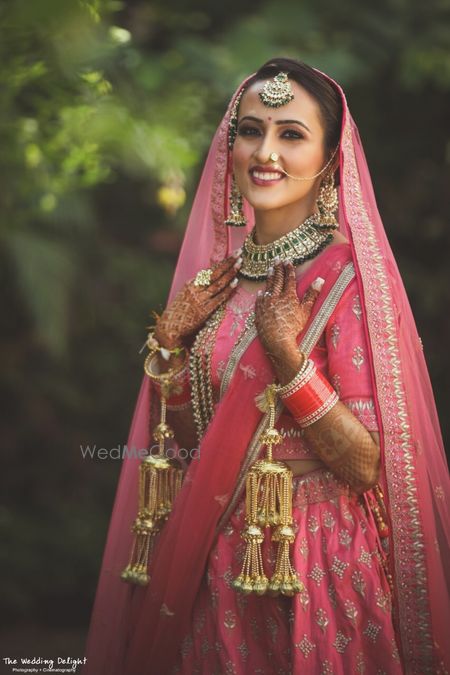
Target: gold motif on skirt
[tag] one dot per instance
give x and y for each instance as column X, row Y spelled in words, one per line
column 339, row 567
column 230, row 619
column 358, row 583
column 227, row 576
column 383, row 600
column 303, row 596
column 332, row 595
column 313, row 525
column 341, row 642
column 345, row 538
column 347, row 514
column 304, row 547
column 322, row 619
column 327, row 668
column 365, row 558
column 243, row 650
column 306, row 646
column 328, row 520
column 316, row 574
column 350, row 611
column 360, row 663
column 372, row 629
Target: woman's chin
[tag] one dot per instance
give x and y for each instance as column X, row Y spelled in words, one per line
column 263, row 205
column 265, row 202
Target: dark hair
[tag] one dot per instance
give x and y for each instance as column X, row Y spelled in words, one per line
column 326, row 95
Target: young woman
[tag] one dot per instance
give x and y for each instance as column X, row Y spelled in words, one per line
column 299, row 350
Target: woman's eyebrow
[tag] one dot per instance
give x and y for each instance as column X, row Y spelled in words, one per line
column 257, row 119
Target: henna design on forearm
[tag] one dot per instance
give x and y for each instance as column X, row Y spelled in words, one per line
column 345, row 445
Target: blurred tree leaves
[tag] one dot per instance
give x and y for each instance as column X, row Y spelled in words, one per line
column 106, row 111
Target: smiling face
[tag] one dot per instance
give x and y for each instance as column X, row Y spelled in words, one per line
column 295, row 133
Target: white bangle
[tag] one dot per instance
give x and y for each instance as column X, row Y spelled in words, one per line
column 306, row 370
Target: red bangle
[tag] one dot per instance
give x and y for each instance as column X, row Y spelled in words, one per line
column 313, row 399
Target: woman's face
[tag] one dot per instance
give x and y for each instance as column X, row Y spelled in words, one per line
column 294, row 132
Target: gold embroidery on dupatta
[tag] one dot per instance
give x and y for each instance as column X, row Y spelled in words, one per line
column 217, row 196
column 407, row 535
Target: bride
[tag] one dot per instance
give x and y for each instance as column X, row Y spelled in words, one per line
column 309, row 531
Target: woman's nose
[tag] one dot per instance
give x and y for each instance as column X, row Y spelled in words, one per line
column 265, row 149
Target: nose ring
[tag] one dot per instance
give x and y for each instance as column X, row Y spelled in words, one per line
column 273, row 157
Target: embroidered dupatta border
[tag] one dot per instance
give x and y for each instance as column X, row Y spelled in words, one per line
column 308, row 341
column 407, row 534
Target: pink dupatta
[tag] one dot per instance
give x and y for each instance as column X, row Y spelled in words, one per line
column 135, row 630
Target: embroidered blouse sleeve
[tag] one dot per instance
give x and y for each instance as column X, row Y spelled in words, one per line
column 348, row 363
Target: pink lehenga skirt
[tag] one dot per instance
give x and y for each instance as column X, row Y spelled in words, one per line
column 341, row 623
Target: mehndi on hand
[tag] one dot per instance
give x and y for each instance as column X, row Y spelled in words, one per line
column 279, row 314
column 193, row 304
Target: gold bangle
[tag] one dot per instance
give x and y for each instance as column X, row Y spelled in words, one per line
column 161, row 377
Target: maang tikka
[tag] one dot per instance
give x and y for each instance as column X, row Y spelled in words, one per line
column 277, row 92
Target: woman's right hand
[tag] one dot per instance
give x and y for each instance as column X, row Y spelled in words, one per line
column 193, row 304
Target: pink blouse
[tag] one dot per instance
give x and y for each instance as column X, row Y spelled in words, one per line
column 341, row 355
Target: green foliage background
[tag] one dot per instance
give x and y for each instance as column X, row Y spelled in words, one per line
column 106, row 111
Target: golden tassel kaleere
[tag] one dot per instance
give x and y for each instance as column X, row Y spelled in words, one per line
column 268, row 504
column 160, row 480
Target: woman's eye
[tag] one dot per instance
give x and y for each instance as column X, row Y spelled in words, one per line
column 248, row 131
column 290, row 133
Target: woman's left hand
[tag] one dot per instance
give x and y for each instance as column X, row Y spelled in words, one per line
column 279, row 314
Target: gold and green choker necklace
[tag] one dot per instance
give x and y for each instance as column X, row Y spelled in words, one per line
column 297, row 246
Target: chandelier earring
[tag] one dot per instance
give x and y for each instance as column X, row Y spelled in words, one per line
column 327, row 202
column 236, row 217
